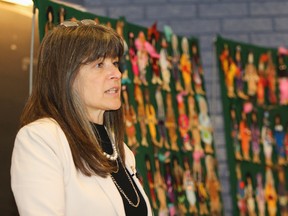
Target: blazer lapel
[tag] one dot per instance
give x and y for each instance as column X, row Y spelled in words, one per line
column 132, row 170
column 112, row 193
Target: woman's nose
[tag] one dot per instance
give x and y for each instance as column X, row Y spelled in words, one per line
column 115, row 73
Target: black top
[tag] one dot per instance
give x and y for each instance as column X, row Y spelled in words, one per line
column 122, row 179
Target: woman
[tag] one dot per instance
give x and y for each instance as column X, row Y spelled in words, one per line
column 69, row 157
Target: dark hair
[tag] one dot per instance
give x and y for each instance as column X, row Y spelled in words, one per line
column 62, row 52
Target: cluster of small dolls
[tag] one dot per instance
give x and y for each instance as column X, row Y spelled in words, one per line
column 250, row 136
column 171, row 116
column 256, row 95
column 262, row 194
column 183, row 190
column 265, row 79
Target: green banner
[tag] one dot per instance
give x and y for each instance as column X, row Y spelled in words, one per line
column 253, row 83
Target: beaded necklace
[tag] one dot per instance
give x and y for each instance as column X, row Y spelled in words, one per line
column 114, row 157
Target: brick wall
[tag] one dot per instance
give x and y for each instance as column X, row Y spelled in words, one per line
column 257, row 22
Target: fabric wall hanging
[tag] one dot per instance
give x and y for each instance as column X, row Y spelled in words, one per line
column 256, row 122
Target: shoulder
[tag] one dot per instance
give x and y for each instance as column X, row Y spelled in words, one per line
column 42, row 132
column 43, row 127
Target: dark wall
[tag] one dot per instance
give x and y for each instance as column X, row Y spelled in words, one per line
column 15, row 43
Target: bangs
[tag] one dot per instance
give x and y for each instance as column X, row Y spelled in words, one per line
column 103, row 44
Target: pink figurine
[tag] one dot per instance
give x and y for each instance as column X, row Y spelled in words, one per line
column 282, row 80
column 144, row 49
column 134, row 58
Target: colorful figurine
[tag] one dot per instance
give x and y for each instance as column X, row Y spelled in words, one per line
column 230, row 70
column 197, row 70
column 130, row 119
column 279, row 135
column 197, row 154
column 203, row 197
column 282, row 80
column 270, row 193
column 260, row 195
column 150, row 179
column 125, row 80
column 205, row 124
column 263, row 80
column 213, row 186
column 251, row 75
column 153, row 37
column 134, row 58
column 255, row 137
column 161, row 188
column 267, row 139
column 161, row 118
column 144, row 50
column 190, row 187
column 169, row 181
column 141, row 114
column 183, row 122
column 171, row 123
column 286, row 141
column 241, row 202
column 151, row 119
column 235, row 134
column 249, row 195
column 185, row 66
column 224, row 59
column 245, row 135
column 282, row 192
column 178, row 177
column 176, row 63
column 271, row 76
column 194, row 123
column 165, row 66
column 239, row 74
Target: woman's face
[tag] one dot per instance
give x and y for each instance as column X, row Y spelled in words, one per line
column 99, row 86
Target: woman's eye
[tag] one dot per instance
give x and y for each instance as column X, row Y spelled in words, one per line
column 116, row 64
column 99, row 65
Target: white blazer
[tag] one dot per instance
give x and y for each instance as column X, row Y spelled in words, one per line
column 45, row 181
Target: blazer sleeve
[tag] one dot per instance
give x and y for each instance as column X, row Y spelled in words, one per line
column 36, row 171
